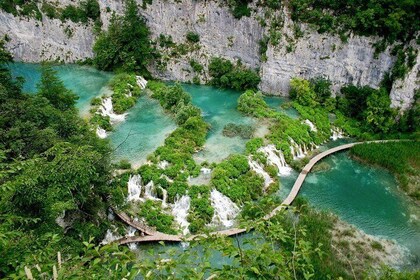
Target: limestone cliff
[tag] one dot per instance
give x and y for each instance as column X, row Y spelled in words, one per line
column 311, row 55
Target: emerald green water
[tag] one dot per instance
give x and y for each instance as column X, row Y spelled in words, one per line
column 275, row 102
column 364, row 196
column 145, row 129
column 84, row 81
column 218, row 107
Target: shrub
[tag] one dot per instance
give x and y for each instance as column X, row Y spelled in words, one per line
column 192, row 37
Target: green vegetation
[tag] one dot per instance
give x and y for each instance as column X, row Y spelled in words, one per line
column 225, row 74
column 152, row 212
column 126, row 91
column 21, row 8
column 401, row 158
column 392, row 19
column 239, row 8
column 234, row 178
column 201, row 211
column 242, row 130
column 197, row 67
column 126, row 44
column 192, row 37
column 85, row 11
column 51, row 166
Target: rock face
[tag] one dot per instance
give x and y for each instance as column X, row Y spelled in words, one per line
column 49, row 39
column 317, row 55
column 312, row 55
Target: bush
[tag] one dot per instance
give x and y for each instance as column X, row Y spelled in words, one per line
column 126, row 91
column 225, row 74
column 192, row 37
column 242, row 130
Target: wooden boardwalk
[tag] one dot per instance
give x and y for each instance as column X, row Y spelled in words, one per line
column 156, row 236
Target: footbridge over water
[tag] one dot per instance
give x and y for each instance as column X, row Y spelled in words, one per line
column 151, row 235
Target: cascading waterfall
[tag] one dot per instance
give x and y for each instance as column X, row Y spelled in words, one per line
column 101, row 133
column 163, row 164
column 180, row 212
column 260, row 170
column 205, row 170
column 108, row 110
column 336, row 133
column 131, row 232
column 225, row 211
column 110, row 236
column 296, row 150
column 134, row 188
column 164, row 196
column 276, row 158
column 149, row 190
column 141, row 82
column 311, row 125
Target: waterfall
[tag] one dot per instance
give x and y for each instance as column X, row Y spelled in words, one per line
column 141, row 82
column 163, row 164
column 134, row 188
column 296, row 150
column 260, row 170
column 276, row 158
column 311, row 125
column 225, row 211
column 131, row 232
column 101, row 133
column 165, row 196
column 336, row 133
column 149, row 190
column 110, row 236
column 180, row 212
column 205, row 170
column 108, row 110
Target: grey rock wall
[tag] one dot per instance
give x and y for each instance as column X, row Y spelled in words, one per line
column 222, row 35
column 34, row 41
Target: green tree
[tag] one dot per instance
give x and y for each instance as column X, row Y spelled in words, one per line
column 53, row 89
column 302, row 92
column 126, row 44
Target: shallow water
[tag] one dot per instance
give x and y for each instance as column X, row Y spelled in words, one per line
column 275, row 102
column 85, row 81
column 145, row 129
column 218, row 107
column 364, row 196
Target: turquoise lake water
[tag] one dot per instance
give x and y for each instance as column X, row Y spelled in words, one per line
column 365, row 196
column 145, row 129
column 84, row 81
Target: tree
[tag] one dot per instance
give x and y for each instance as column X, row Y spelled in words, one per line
column 379, row 115
column 53, row 89
column 302, row 92
column 126, row 44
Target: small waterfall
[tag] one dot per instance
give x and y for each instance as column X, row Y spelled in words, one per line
column 101, row 133
column 149, row 190
column 180, row 212
column 131, row 232
column 110, row 236
column 276, row 158
column 164, row 196
column 296, row 150
column 134, row 188
column 205, row 170
column 108, row 110
column 163, row 164
column 260, row 170
column 336, row 133
column 311, row 125
column 141, row 82
column 225, row 211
